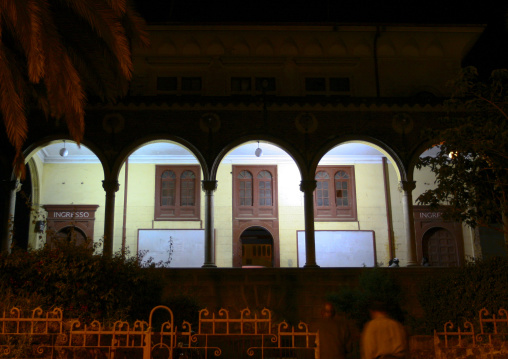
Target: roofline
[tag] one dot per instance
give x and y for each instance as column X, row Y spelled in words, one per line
column 328, row 26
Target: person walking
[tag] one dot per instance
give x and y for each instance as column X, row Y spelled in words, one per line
column 383, row 337
column 334, row 338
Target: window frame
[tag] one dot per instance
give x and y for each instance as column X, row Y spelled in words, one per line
column 328, row 88
column 254, row 85
column 180, row 82
column 255, row 210
column 177, row 212
column 332, row 212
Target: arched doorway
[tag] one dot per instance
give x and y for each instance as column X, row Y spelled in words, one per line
column 257, row 247
column 440, row 248
column 70, row 234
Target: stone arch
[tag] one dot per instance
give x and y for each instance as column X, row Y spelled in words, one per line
column 167, row 49
column 216, row 48
column 378, row 145
column 420, row 149
column 31, row 150
column 272, row 242
column 338, row 48
column 71, row 232
column 435, row 49
column 313, row 48
column 385, row 48
column 289, row 48
column 410, row 49
column 264, row 48
column 240, row 48
column 126, row 152
column 362, row 49
column 191, row 48
column 291, row 151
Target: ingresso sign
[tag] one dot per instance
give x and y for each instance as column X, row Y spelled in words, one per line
column 430, row 215
column 71, row 214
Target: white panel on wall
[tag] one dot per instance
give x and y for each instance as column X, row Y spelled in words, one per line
column 188, row 246
column 340, row 248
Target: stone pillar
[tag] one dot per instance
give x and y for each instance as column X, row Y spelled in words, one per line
column 10, row 189
column 209, row 187
column 111, row 187
column 409, row 222
column 308, row 187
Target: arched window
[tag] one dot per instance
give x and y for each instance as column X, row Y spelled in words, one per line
column 341, row 189
column 177, row 193
column 322, row 189
column 265, row 188
column 187, row 188
column 168, row 186
column 245, row 188
column 335, row 197
column 255, row 191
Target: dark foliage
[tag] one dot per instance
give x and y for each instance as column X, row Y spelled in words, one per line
column 459, row 294
column 472, row 163
column 84, row 284
column 374, row 285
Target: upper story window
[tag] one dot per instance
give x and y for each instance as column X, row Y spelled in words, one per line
column 179, row 84
column 265, row 188
column 254, row 191
column 335, row 195
column 327, row 85
column 252, row 85
column 177, row 192
column 245, row 188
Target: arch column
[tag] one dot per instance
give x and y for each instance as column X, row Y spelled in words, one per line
column 111, row 186
column 209, row 187
column 308, row 187
column 10, row 188
column 409, row 222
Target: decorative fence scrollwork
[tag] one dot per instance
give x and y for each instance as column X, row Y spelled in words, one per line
column 489, row 338
column 251, row 335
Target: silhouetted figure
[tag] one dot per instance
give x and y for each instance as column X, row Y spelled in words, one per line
column 425, row 262
column 334, row 337
column 383, row 337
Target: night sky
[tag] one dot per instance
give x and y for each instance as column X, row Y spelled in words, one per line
column 490, row 52
column 312, row 11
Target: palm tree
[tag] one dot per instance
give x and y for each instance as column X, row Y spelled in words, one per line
column 53, row 53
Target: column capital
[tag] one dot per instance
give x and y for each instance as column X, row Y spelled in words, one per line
column 110, row 185
column 209, row 185
column 308, row 185
column 407, row 186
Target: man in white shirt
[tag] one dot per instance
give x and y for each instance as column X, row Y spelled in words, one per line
column 383, row 337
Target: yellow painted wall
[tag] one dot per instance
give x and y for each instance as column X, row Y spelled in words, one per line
column 75, row 184
column 291, row 212
column 140, row 206
column 82, row 184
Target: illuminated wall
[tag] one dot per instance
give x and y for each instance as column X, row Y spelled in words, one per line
column 82, row 184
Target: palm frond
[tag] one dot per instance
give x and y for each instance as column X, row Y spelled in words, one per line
column 105, row 22
column 93, row 59
column 11, row 104
column 65, row 94
column 52, row 51
column 118, row 6
column 35, row 54
column 135, row 26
